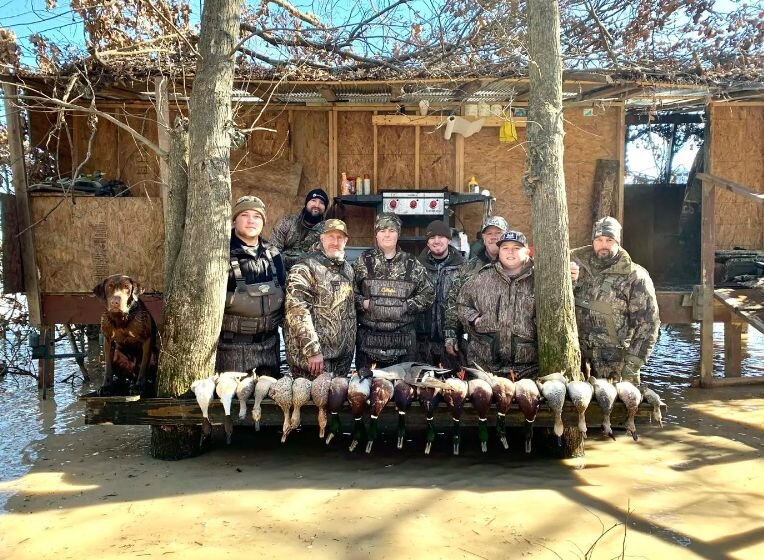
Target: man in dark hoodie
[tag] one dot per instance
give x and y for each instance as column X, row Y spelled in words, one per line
column 442, row 262
column 295, row 234
column 254, row 306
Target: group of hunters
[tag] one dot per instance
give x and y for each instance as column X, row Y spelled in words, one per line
column 390, row 306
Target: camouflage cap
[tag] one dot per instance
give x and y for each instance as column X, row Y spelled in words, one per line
column 248, row 202
column 609, row 227
column 388, row 220
column 516, row 236
column 335, row 225
column 495, row 221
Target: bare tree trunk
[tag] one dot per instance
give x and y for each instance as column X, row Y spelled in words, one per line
column 194, row 298
column 177, row 195
column 545, row 183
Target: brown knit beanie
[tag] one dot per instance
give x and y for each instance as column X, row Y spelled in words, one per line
column 248, row 202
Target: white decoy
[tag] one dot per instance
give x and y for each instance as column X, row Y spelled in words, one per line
column 225, row 390
column 204, row 390
column 262, row 387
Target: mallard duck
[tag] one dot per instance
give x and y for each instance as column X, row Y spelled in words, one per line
column 319, row 394
column 262, row 388
column 605, row 395
column 338, row 392
column 358, row 394
column 403, row 395
column 381, row 393
column 429, row 398
column 480, row 394
column 554, row 391
column 503, row 390
column 527, row 395
column 631, row 397
column 204, row 391
column 580, row 394
column 413, row 373
column 244, row 390
column 281, row 393
column 225, row 390
column 454, row 400
column 655, row 401
column 300, row 395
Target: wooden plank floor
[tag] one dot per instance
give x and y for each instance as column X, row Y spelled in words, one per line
column 746, row 303
column 137, row 411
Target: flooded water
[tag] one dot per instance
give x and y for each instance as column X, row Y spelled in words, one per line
column 688, row 487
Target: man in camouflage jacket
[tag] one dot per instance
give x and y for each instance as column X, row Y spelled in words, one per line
column 616, row 307
column 294, row 235
column 391, row 288
column 320, row 317
column 442, row 262
column 498, row 310
column 487, row 253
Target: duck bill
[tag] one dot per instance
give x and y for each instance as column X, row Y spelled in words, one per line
column 358, row 432
column 483, row 434
column 401, row 428
column 430, row 437
column 228, row 424
column 334, row 427
column 372, row 435
column 457, row 434
column 529, row 434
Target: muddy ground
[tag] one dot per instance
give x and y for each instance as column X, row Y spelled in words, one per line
column 694, row 489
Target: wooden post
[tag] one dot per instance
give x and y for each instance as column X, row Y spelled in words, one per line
column 417, row 131
column 707, row 253
column 459, row 184
column 163, row 139
column 46, row 367
column 621, row 161
column 733, row 354
column 374, row 186
column 24, row 214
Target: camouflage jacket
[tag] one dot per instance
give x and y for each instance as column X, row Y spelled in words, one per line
column 452, row 328
column 294, row 238
column 442, row 273
column 410, row 291
column 616, row 308
column 499, row 315
column 319, row 311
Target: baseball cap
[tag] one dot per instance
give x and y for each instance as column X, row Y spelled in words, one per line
column 335, row 225
column 496, row 221
column 511, row 235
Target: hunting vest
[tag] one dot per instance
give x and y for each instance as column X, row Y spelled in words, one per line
column 253, row 309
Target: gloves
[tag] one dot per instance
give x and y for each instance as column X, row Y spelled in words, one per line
column 631, row 367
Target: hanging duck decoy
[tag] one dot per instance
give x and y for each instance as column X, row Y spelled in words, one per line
column 528, row 398
column 358, row 394
column 631, row 397
column 338, row 392
column 554, row 392
column 204, row 390
column 319, row 394
column 381, row 393
column 605, row 395
column 262, row 388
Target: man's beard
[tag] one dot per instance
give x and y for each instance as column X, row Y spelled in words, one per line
column 606, row 256
column 309, row 218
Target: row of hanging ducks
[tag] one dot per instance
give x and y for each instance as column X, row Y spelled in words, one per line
column 371, row 389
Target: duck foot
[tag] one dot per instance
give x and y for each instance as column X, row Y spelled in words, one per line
column 504, row 442
column 368, row 446
column 427, row 448
column 353, row 445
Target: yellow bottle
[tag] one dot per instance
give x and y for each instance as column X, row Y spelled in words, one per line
column 472, row 185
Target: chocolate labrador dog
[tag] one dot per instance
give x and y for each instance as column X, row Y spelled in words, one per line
column 130, row 337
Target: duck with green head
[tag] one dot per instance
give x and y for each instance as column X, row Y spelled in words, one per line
column 381, row 393
column 338, row 392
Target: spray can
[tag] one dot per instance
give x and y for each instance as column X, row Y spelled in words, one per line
column 366, row 184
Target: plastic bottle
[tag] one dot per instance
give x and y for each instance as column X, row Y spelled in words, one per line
column 366, row 184
column 359, row 185
column 344, row 185
column 472, row 185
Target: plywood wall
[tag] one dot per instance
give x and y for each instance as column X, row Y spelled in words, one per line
column 79, row 244
column 499, row 168
column 737, row 154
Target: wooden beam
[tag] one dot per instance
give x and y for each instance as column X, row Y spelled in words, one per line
column 733, row 355
column 375, row 175
column 416, row 120
column 736, row 188
column 729, row 382
column 621, row 135
column 163, row 139
column 416, row 156
column 28, row 255
column 707, row 253
column 466, row 90
column 331, row 179
column 459, row 183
